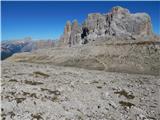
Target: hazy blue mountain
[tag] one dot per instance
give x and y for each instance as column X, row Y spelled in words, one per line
column 8, row 48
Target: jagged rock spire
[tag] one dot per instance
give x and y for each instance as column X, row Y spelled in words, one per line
column 74, row 24
column 119, row 10
column 67, row 28
column 119, row 22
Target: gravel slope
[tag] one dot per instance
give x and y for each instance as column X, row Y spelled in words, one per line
column 112, row 56
column 45, row 92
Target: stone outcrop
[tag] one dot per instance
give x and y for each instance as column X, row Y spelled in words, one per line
column 71, row 35
column 75, row 35
column 64, row 39
column 119, row 22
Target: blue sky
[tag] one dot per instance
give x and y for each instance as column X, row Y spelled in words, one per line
column 43, row 20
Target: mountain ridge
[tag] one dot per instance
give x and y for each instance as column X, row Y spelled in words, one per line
column 119, row 22
column 8, row 48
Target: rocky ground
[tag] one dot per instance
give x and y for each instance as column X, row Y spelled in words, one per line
column 113, row 56
column 46, row 92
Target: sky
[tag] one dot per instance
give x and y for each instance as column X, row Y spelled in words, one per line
column 46, row 20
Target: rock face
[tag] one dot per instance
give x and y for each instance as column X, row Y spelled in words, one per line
column 71, row 35
column 67, row 32
column 75, row 35
column 117, row 23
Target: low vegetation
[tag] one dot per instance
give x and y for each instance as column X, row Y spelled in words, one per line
column 126, row 104
column 38, row 73
column 33, row 82
column 19, row 100
column 125, row 94
column 36, row 117
column 13, row 80
column 55, row 92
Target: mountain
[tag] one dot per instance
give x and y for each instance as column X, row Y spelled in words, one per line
column 8, row 48
column 119, row 23
column 107, row 68
column 118, row 41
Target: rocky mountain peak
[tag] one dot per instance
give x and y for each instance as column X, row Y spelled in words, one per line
column 67, row 28
column 119, row 10
column 75, row 24
column 119, row 23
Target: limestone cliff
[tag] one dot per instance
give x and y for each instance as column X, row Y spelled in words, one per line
column 119, row 23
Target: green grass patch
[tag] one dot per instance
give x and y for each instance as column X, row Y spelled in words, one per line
column 19, row 100
column 13, row 80
column 126, row 104
column 38, row 73
column 125, row 94
column 33, row 82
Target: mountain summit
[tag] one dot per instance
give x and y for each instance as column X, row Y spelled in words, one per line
column 119, row 22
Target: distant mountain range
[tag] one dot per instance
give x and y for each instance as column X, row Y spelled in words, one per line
column 8, row 48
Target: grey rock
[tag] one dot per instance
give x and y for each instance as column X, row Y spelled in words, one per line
column 118, row 22
column 75, row 34
column 71, row 35
column 75, row 94
column 64, row 39
column 117, row 56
